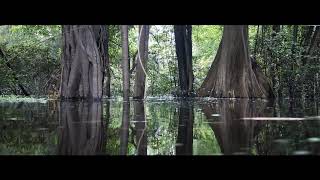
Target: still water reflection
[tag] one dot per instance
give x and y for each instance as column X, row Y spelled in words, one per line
column 160, row 127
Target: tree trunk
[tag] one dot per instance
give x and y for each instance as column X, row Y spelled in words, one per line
column 102, row 40
column 125, row 63
column 183, row 39
column 141, row 68
column 231, row 73
column 292, row 63
column 83, row 62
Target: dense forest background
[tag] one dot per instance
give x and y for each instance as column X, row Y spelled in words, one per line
column 30, row 58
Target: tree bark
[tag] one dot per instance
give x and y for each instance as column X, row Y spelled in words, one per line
column 141, row 68
column 231, row 74
column 183, row 39
column 125, row 63
column 83, row 62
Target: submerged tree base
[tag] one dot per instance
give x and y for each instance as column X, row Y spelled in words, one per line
column 232, row 74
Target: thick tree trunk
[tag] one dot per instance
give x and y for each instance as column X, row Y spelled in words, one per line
column 102, row 39
column 183, row 39
column 83, row 62
column 231, row 73
column 141, row 68
column 125, row 63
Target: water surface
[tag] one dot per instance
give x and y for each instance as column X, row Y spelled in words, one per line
column 160, row 126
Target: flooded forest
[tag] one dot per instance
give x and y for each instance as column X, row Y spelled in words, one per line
column 159, row 90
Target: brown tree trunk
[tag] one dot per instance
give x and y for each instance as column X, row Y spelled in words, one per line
column 102, row 40
column 231, row 73
column 125, row 63
column 141, row 68
column 83, row 63
column 183, row 39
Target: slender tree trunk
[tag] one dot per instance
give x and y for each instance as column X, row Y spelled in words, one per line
column 125, row 63
column 292, row 63
column 256, row 42
column 141, row 68
column 231, row 73
column 183, row 39
column 83, row 62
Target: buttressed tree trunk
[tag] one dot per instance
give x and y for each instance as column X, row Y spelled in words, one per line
column 231, row 73
column 141, row 68
column 83, row 62
column 183, row 41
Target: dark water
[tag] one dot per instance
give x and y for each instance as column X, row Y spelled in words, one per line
column 159, row 127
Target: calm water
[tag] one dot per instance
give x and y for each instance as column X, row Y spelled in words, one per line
column 159, row 127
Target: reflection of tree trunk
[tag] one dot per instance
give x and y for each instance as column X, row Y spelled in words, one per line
column 140, row 128
column 185, row 130
column 124, row 132
column 233, row 135
column 82, row 129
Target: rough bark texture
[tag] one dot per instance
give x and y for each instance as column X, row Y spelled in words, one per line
column 83, row 62
column 82, row 131
column 184, row 144
column 139, row 85
column 231, row 73
column 183, row 40
column 125, row 63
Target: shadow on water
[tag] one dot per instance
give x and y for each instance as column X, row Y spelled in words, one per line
column 160, row 127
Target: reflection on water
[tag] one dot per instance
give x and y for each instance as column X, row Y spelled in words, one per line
column 160, row 127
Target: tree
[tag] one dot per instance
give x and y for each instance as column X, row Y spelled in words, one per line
column 231, row 74
column 141, row 68
column 183, row 40
column 125, row 62
column 83, row 62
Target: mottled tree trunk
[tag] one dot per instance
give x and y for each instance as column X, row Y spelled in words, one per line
column 125, row 63
column 102, row 40
column 83, row 62
column 231, row 73
column 141, row 68
column 183, row 40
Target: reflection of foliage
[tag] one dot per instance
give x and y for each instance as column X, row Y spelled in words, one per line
column 26, row 129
